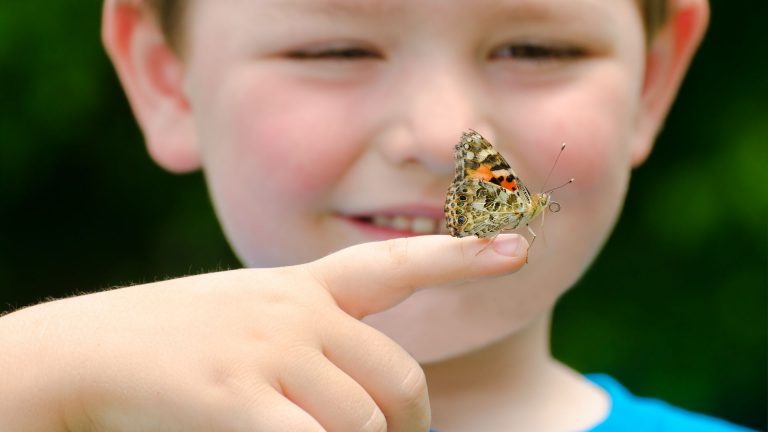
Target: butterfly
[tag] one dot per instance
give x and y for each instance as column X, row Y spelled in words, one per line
column 486, row 196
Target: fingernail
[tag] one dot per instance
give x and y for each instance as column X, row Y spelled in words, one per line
column 509, row 245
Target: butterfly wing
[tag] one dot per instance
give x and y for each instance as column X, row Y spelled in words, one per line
column 476, row 158
column 483, row 209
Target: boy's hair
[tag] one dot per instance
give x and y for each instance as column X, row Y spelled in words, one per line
column 170, row 14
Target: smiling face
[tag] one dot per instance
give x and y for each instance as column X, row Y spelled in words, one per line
column 328, row 123
column 325, row 123
column 317, row 118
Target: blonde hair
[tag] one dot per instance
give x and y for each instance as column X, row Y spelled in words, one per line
column 170, row 15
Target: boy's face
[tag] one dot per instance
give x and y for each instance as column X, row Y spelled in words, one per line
column 325, row 123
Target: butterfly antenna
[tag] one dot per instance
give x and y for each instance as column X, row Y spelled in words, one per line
column 553, row 167
column 561, row 186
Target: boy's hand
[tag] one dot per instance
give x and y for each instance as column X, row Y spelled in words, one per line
column 247, row 350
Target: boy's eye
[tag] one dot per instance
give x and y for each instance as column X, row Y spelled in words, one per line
column 538, row 52
column 335, row 53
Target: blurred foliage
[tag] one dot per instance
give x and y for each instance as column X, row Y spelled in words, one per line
column 675, row 306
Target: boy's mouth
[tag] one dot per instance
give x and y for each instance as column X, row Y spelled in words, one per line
column 413, row 224
column 399, row 225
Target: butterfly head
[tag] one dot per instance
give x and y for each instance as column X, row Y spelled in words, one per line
column 541, row 201
column 544, row 200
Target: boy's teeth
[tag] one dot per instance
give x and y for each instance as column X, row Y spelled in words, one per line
column 418, row 225
column 423, row 225
column 381, row 221
column 401, row 223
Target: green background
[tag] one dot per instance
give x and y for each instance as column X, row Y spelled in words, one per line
column 675, row 306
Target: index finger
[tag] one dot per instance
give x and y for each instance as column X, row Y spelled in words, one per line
column 372, row 277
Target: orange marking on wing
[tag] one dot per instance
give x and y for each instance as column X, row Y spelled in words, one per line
column 482, row 173
column 509, row 185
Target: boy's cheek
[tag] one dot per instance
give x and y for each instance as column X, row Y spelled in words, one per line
column 284, row 136
column 594, row 121
column 594, row 156
column 598, row 154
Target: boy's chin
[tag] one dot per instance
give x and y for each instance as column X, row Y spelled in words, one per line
column 433, row 331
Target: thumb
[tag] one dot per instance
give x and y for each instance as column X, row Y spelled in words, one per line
column 371, row 277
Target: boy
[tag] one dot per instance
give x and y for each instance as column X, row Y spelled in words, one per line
column 323, row 124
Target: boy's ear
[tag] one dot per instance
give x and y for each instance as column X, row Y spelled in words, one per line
column 153, row 78
column 667, row 59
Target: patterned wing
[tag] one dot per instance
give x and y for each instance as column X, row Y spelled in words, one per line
column 476, row 158
column 483, row 209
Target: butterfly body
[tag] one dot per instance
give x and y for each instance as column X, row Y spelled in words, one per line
column 486, row 196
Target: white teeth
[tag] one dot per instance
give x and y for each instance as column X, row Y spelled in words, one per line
column 382, row 221
column 401, row 223
column 422, row 225
column 418, row 225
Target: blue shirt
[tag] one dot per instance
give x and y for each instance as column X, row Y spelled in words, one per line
column 630, row 413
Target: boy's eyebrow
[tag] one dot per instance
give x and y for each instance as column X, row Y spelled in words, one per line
column 535, row 10
column 593, row 19
column 516, row 10
column 593, row 14
column 341, row 7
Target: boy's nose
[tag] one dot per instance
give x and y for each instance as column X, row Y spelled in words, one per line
column 432, row 113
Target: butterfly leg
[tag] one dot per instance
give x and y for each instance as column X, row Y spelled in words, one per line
column 490, row 242
column 533, row 239
column 533, row 234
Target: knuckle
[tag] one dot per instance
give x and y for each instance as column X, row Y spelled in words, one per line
column 376, row 422
column 412, row 391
